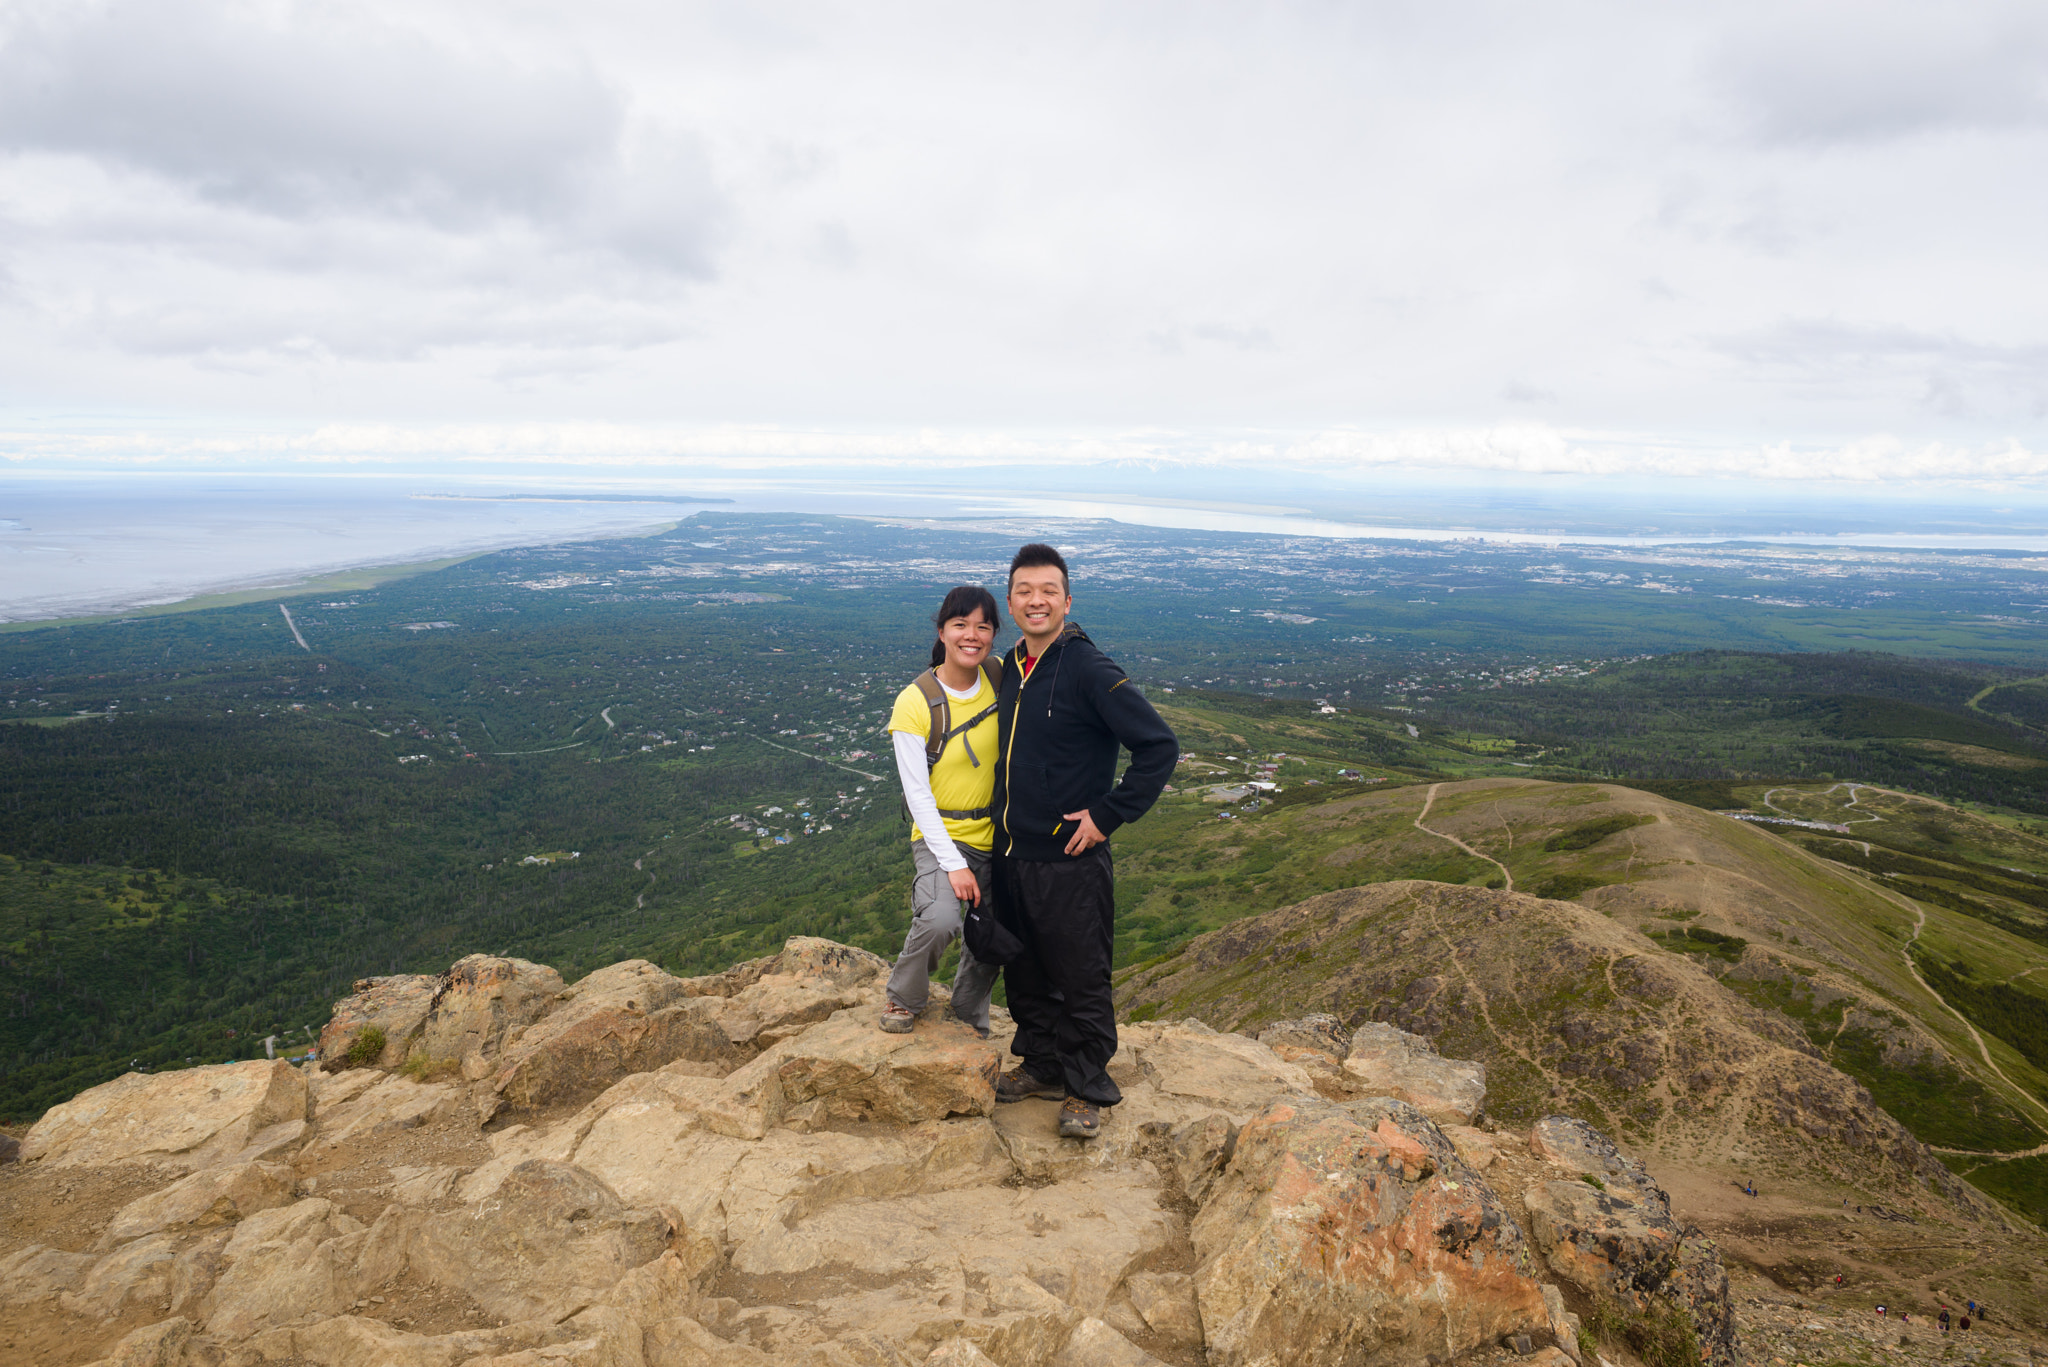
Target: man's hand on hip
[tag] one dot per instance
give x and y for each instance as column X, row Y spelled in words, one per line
column 966, row 886
column 1086, row 837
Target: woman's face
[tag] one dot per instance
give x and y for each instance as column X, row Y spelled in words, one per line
column 967, row 639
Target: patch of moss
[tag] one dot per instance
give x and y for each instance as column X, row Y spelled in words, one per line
column 1562, row 887
column 1698, row 940
column 1659, row 1334
column 2021, row 1184
column 365, row 1047
column 1587, row 834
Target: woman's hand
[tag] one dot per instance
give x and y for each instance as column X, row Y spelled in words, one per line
column 966, row 886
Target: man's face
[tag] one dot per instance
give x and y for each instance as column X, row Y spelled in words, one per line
column 1039, row 602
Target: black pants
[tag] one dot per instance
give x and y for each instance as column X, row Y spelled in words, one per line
column 1064, row 912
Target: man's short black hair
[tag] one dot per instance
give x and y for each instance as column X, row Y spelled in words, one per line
column 1036, row 554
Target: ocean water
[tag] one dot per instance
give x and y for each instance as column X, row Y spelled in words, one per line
column 72, row 548
column 75, row 547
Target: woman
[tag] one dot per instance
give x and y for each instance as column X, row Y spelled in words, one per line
column 944, row 730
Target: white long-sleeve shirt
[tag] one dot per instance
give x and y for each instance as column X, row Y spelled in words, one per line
column 917, row 789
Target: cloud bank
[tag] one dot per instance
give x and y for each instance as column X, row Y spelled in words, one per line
column 1749, row 240
column 612, row 450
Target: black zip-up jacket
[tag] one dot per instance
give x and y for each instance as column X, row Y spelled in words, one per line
column 1060, row 731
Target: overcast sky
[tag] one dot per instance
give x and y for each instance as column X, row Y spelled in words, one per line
column 1751, row 239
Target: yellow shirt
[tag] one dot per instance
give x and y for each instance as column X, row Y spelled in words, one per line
column 957, row 783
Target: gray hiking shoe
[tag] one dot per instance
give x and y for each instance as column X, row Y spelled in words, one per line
column 1018, row 1085
column 1080, row 1119
column 896, row 1020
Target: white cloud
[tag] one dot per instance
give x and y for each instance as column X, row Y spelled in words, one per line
column 1744, row 239
column 637, row 451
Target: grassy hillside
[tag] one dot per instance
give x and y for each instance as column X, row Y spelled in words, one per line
column 1853, row 970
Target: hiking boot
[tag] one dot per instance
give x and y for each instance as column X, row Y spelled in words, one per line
column 897, row 1020
column 1018, row 1085
column 1080, row 1119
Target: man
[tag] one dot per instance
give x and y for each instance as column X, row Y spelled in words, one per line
column 1066, row 708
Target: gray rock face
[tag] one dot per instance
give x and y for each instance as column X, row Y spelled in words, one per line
column 1606, row 1227
column 395, row 1005
column 1328, row 1243
column 188, row 1119
column 552, row 1241
column 782, row 1182
column 625, row 1019
column 1390, row 1062
column 1603, row 1242
column 1577, row 1147
column 213, row 1196
column 1321, row 1032
column 482, row 999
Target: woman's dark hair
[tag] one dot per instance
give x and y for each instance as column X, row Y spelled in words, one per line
column 962, row 601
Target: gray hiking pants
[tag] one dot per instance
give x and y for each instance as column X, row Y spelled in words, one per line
column 934, row 922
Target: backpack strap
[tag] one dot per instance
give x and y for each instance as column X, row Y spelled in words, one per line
column 942, row 729
column 935, row 735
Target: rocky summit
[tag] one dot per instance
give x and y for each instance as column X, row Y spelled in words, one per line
column 492, row 1168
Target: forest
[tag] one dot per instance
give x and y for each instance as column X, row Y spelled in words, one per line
column 669, row 747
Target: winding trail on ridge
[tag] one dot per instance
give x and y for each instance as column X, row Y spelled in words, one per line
column 1984, row 1050
column 1429, row 802
column 1906, row 953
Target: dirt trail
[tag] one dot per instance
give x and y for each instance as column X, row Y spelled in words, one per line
column 1429, row 802
column 640, row 897
column 295, row 628
column 2036, row 1152
column 1906, row 952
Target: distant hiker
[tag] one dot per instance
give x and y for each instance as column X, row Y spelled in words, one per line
column 1880, row 1312
column 945, row 735
column 1963, row 1323
column 1066, row 710
column 1943, row 1319
column 1971, row 1306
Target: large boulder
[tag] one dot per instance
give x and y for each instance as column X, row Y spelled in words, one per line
column 356, row 1116
column 135, row 1277
column 34, row 1273
column 307, row 1258
column 552, row 1240
column 395, row 1006
column 1319, row 1033
column 212, row 1196
column 1390, row 1062
column 845, row 1070
column 1610, row 1232
column 1318, row 1247
column 625, row 1019
column 480, row 1001
column 1601, row 1241
column 188, row 1119
column 1571, row 1144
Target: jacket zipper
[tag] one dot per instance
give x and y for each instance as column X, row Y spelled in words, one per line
column 1016, row 715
